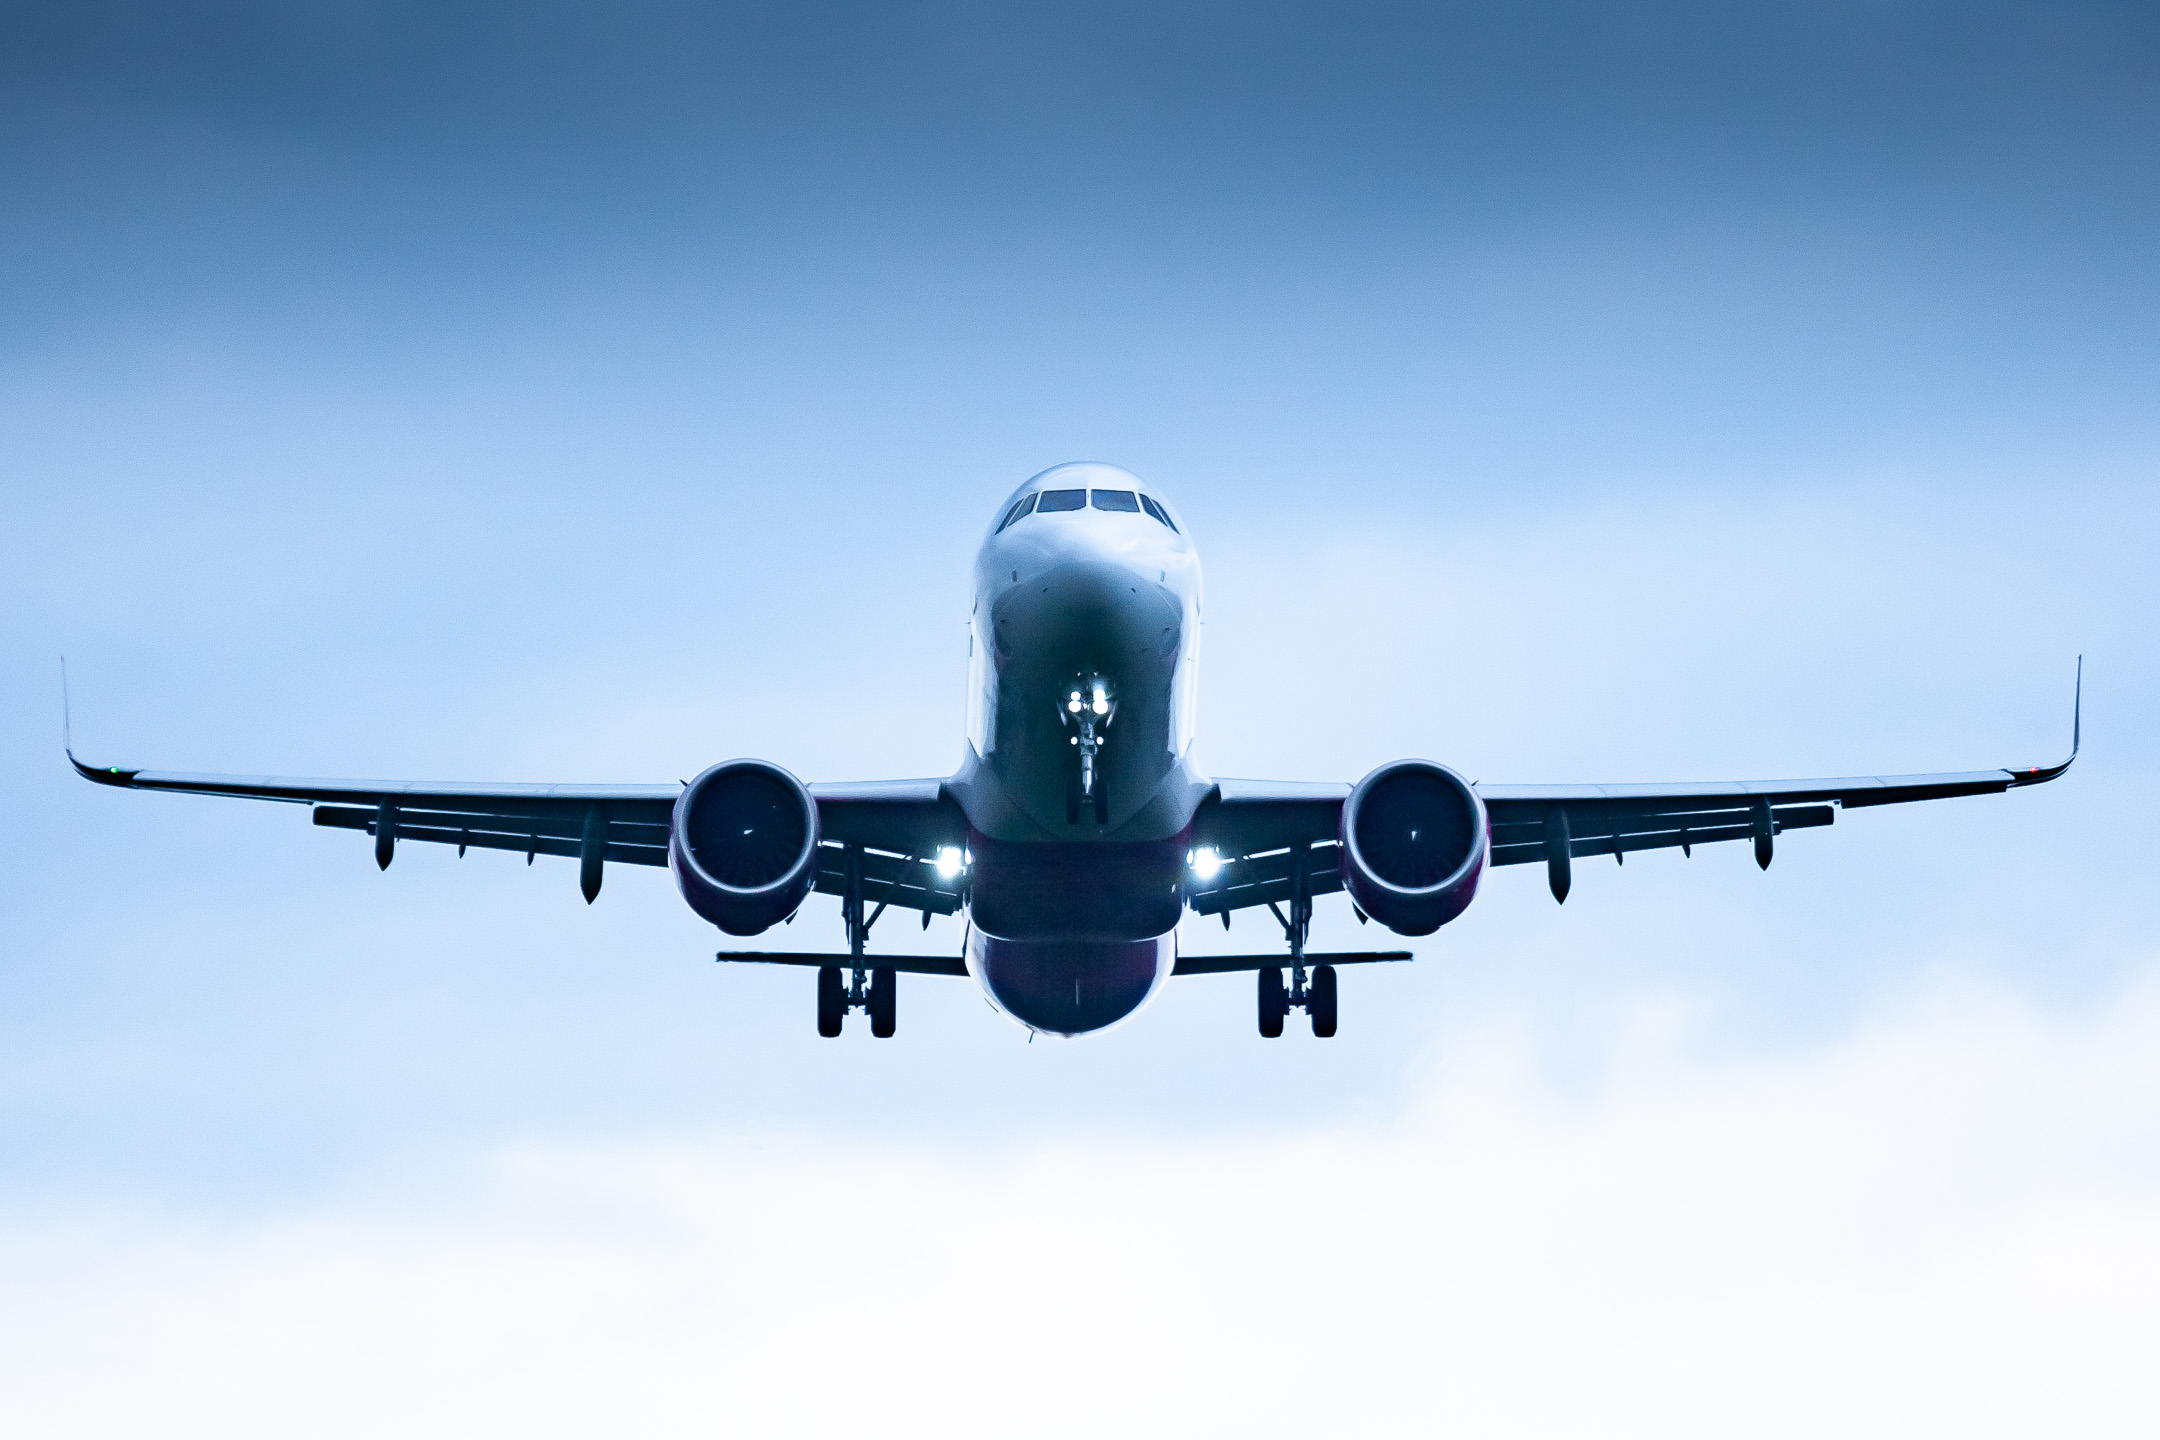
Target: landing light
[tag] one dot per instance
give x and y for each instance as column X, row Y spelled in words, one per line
column 1206, row 863
column 949, row 862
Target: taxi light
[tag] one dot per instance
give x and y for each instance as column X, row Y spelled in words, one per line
column 949, row 862
column 1206, row 862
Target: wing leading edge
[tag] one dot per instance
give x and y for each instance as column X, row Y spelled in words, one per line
column 899, row 825
column 1557, row 823
column 1262, row 831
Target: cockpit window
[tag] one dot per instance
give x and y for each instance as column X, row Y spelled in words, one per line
column 1026, row 504
column 1062, row 500
column 1158, row 512
column 1116, row 500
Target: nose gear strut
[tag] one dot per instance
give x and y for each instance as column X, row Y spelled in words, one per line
column 1087, row 707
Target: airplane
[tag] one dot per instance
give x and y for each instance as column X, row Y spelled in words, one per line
column 1078, row 829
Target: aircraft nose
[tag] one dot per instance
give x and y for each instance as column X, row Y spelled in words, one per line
column 1088, row 606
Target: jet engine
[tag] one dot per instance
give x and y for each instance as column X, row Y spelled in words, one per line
column 1414, row 837
column 744, row 845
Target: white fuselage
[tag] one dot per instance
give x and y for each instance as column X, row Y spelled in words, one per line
column 1077, row 784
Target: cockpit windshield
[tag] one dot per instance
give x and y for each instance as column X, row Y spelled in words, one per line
column 1048, row 501
column 1026, row 503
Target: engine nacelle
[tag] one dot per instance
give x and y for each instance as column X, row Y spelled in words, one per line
column 744, row 845
column 1414, row 838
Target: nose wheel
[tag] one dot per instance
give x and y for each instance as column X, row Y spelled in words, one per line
column 1087, row 709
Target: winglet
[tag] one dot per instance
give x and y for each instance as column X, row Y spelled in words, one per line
column 102, row 774
column 2077, row 710
column 2041, row 774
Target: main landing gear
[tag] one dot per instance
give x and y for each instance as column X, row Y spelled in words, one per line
column 1317, row 997
column 873, row 989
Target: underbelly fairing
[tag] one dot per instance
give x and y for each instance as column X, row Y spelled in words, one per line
column 1070, row 938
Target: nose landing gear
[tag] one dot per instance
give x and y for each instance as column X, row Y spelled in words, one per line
column 1087, row 708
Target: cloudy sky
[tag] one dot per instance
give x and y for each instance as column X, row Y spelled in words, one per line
column 1578, row 392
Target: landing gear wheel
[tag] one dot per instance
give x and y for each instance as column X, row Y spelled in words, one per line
column 1274, row 1004
column 883, row 1002
column 831, row 1001
column 1320, row 1001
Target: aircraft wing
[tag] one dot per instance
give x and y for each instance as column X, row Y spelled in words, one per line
column 900, row 824
column 1261, row 830
column 1529, row 822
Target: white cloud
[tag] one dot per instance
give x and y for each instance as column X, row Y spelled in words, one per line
column 1947, row 1223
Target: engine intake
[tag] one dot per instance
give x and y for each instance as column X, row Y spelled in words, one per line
column 1414, row 837
column 744, row 845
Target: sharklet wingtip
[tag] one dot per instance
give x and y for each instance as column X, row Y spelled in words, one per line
column 2041, row 774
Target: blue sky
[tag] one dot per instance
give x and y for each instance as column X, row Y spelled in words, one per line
column 1573, row 394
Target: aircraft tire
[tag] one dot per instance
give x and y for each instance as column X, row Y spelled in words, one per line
column 884, row 1003
column 1322, row 1004
column 1274, row 1004
column 831, row 1001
